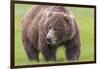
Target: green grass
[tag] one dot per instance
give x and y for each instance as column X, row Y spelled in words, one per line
column 85, row 21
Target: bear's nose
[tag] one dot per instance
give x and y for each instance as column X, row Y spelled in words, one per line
column 48, row 40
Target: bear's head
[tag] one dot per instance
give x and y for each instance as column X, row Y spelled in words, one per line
column 60, row 28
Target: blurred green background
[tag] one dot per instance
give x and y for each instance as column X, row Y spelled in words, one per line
column 85, row 21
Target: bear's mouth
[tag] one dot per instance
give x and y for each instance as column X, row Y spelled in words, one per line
column 48, row 41
column 51, row 42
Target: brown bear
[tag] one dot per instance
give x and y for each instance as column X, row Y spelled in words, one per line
column 45, row 28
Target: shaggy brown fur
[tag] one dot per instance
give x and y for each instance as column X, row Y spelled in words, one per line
column 35, row 27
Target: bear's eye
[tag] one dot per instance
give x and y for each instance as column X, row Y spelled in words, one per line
column 49, row 27
column 55, row 29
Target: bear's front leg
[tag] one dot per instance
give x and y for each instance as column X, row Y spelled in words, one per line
column 72, row 50
column 49, row 53
column 72, row 53
column 31, row 51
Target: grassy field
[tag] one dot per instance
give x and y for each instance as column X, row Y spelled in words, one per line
column 85, row 20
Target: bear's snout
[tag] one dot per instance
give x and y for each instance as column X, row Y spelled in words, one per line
column 50, row 37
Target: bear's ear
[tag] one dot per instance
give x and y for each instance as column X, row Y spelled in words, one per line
column 72, row 25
